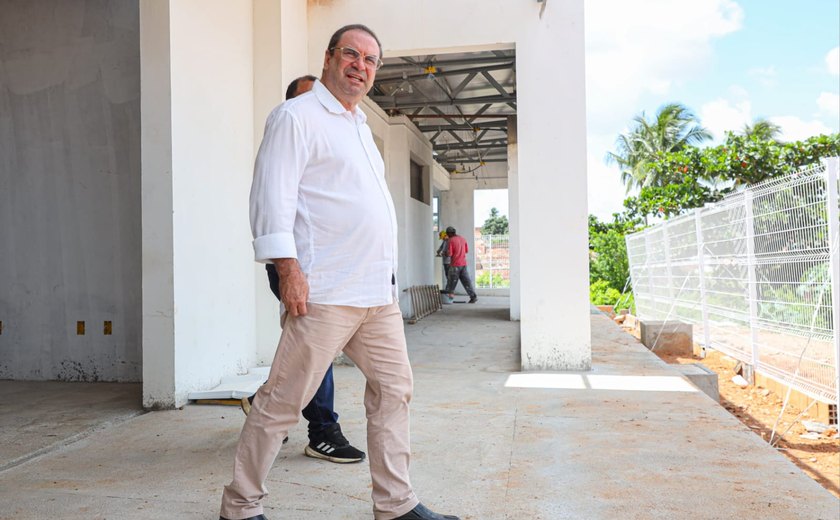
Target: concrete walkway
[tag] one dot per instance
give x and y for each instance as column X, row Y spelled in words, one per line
column 631, row 439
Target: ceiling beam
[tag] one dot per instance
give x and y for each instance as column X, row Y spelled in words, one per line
column 380, row 80
column 497, row 125
column 387, row 103
column 388, row 67
column 492, row 143
column 449, row 116
column 474, row 160
column 490, row 79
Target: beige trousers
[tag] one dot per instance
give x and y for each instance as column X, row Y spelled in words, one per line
column 375, row 340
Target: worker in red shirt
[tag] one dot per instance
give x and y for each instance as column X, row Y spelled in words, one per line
column 458, row 250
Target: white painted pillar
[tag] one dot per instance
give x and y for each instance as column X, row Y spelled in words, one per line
column 197, row 147
column 280, row 55
column 553, row 263
column 513, row 220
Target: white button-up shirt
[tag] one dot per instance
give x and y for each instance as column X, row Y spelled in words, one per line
column 319, row 195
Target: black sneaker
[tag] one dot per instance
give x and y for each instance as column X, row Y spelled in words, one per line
column 474, row 299
column 334, row 447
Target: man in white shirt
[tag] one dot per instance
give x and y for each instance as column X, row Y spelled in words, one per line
column 322, row 214
column 326, row 440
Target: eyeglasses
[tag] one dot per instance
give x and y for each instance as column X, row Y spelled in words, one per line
column 350, row 54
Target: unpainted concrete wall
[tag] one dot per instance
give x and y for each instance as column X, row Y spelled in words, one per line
column 70, row 190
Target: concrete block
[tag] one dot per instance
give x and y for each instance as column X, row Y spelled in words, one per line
column 702, row 377
column 667, row 337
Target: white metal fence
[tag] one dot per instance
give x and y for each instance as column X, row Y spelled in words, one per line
column 757, row 274
column 492, row 261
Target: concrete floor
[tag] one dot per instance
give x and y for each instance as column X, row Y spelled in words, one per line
column 628, row 440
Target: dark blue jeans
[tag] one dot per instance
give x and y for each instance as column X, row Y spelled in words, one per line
column 320, row 412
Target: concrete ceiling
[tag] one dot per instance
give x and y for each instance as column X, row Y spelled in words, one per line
column 459, row 101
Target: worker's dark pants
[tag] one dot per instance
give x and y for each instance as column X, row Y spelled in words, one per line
column 320, row 412
column 459, row 273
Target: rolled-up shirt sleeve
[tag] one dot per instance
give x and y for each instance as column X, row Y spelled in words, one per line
column 278, row 170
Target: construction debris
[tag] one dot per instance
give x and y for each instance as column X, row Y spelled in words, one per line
column 740, row 381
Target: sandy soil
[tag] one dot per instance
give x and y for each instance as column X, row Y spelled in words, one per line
column 759, row 409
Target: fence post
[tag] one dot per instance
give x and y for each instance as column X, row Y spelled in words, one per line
column 752, row 285
column 651, row 294
column 701, row 275
column 492, row 267
column 832, row 170
column 666, row 245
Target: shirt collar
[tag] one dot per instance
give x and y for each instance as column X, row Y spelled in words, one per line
column 333, row 105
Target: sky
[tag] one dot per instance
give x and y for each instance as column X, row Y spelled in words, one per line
column 729, row 61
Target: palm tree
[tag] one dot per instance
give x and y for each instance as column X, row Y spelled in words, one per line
column 762, row 129
column 674, row 128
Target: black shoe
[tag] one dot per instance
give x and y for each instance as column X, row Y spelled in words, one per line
column 245, row 403
column 331, row 445
column 474, row 299
column 422, row 512
column 258, row 517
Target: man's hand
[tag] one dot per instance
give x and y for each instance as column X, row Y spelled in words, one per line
column 294, row 289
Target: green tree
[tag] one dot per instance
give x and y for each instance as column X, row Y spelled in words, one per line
column 694, row 176
column 495, row 224
column 673, row 128
column 762, row 129
column 608, row 252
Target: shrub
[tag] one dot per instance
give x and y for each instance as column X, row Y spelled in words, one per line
column 484, row 280
column 600, row 293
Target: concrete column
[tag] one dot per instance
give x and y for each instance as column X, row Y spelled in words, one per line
column 553, row 263
column 157, row 206
column 280, row 33
column 513, row 220
column 198, row 279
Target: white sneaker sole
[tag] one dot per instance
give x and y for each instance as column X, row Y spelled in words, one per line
column 309, row 452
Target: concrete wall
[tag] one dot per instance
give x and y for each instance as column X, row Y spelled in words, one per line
column 69, row 190
column 551, row 101
column 199, row 299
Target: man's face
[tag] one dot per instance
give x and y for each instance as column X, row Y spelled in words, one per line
column 349, row 81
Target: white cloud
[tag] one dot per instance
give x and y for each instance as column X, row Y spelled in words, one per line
column 832, row 61
column 765, row 76
column 722, row 115
column 797, row 129
column 606, row 192
column 639, row 48
column 829, row 104
column 634, row 48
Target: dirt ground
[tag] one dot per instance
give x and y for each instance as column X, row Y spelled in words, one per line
column 759, row 408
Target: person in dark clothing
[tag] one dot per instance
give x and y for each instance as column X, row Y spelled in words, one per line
column 458, row 250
